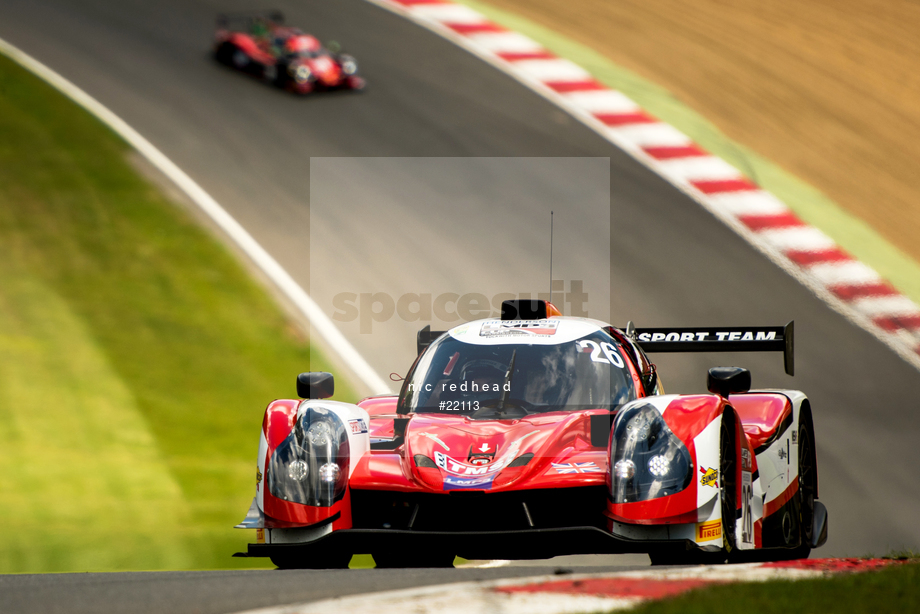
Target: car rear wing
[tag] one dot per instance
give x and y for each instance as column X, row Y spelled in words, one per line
column 722, row 339
column 426, row 336
column 699, row 339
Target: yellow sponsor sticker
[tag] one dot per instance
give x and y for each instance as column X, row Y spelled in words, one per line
column 260, row 536
column 709, row 477
column 706, row 531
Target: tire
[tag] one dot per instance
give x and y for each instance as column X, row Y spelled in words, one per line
column 391, row 560
column 224, row 53
column 808, row 488
column 728, row 483
column 240, row 60
column 312, row 561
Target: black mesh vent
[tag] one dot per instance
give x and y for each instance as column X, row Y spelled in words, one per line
column 462, row 510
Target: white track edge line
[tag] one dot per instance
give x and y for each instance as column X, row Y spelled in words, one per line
column 262, row 259
column 777, row 257
column 364, row 602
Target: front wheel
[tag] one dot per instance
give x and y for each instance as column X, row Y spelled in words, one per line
column 808, row 488
column 224, row 53
column 728, row 483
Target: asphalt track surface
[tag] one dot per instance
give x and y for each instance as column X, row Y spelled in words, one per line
column 671, row 263
column 217, row 592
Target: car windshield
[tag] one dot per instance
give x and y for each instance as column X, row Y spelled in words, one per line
column 474, row 380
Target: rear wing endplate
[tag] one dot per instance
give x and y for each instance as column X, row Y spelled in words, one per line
column 723, row 339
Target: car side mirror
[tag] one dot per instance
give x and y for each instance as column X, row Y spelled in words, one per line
column 315, row 385
column 724, row 381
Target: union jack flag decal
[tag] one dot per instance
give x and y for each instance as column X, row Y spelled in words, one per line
column 589, row 467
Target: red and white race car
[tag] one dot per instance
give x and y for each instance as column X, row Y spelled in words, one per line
column 261, row 45
column 538, row 435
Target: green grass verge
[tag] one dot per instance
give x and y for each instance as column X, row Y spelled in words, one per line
column 850, row 232
column 893, row 590
column 136, row 357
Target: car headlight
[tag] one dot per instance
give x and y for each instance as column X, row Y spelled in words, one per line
column 300, row 72
column 648, row 461
column 311, row 465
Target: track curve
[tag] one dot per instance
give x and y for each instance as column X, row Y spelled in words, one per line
column 671, row 263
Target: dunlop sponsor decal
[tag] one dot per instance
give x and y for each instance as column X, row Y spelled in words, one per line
column 707, row 531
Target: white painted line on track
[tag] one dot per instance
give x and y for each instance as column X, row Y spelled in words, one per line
column 487, row 565
column 602, row 101
column 552, row 70
column 755, row 202
column 848, row 272
column 648, row 135
column 505, row 42
column 450, row 13
column 541, row 594
column 693, row 169
column 797, row 237
column 262, row 259
column 886, row 306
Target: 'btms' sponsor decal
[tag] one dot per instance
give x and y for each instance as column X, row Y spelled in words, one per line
column 710, row 477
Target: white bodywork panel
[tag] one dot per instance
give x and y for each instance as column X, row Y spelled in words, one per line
column 357, row 423
column 707, row 493
column 296, row 536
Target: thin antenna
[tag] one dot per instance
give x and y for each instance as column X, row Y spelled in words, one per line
column 550, row 256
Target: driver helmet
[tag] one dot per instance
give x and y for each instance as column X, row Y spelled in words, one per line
column 483, row 368
column 302, row 43
column 258, row 28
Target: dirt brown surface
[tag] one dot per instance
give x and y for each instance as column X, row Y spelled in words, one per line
column 827, row 89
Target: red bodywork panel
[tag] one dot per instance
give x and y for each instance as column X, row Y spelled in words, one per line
column 249, row 46
column 761, row 414
column 470, row 450
column 686, row 416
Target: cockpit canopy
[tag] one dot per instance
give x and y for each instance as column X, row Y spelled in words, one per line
column 493, row 369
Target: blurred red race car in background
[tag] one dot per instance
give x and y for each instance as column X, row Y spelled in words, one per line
column 261, row 45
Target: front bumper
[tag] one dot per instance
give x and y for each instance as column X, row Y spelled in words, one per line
column 510, row 545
